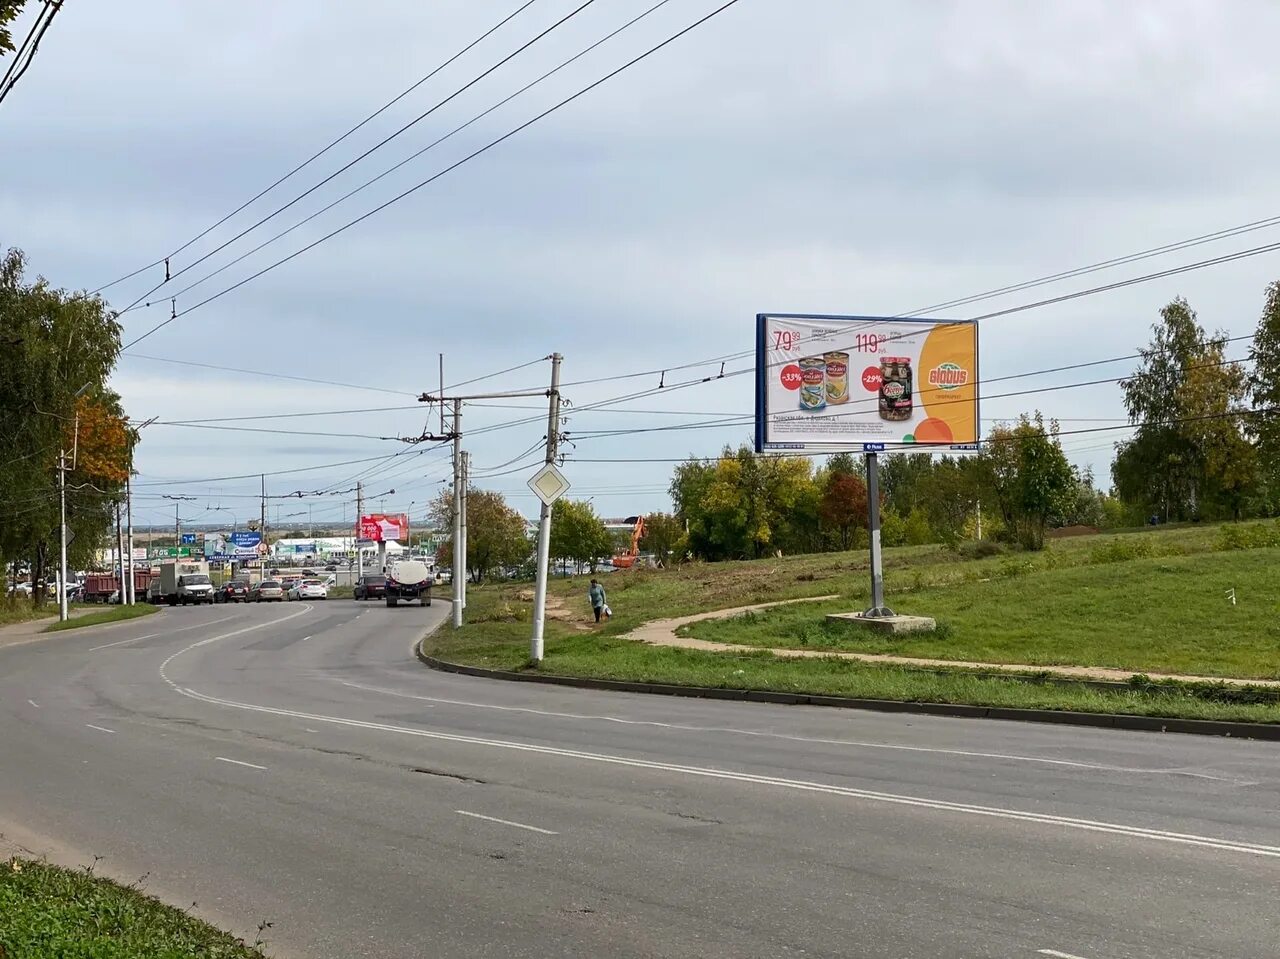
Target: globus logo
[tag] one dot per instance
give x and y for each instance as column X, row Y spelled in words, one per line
column 948, row 376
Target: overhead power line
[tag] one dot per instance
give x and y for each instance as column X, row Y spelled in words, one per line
column 278, row 376
column 323, row 150
column 413, row 156
column 449, row 169
column 26, row 53
column 377, row 146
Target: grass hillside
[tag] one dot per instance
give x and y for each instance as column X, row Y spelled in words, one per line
column 1151, row 600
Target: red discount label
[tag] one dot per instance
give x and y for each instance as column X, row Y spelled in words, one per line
column 871, row 378
column 791, row 376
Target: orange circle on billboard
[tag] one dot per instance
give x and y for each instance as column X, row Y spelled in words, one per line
column 933, row 430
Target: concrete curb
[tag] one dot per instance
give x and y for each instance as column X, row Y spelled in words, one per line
column 1202, row 727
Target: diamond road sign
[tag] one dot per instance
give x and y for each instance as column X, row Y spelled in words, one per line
column 549, row 484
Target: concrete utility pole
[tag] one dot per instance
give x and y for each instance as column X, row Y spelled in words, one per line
column 459, row 517
column 63, row 614
column 461, row 473
column 262, row 553
column 544, row 517
column 128, row 507
column 359, row 513
column 177, row 530
column 123, row 592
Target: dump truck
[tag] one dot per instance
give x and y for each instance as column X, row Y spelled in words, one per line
column 409, row 579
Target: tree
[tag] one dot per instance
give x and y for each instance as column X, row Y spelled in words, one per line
column 844, row 506
column 1264, row 387
column 578, row 534
column 664, row 538
column 1029, row 476
column 496, row 533
column 1189, row 454
column 54, row 346
column 900, row 478
column 9, row 10
column 949, row 495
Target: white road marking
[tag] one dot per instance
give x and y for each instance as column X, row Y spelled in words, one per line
column 920, row 802
column 101, row 729
column 313, row 730
column 181, row 629
column 506, row 822
column 1058, row 955
column 34, row 703
column 305, row 638
column 800, row 739
column 224, row 759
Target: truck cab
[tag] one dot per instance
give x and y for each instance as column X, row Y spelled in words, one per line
column 194, row 588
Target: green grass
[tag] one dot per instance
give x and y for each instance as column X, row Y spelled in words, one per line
column 1167, row 615
column 46, row 911
column 104, row 614
column 1104, row 599
column 20, row 610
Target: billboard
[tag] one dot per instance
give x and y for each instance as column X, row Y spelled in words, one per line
column 865, row 383
column 245, row 543
column 382, row 527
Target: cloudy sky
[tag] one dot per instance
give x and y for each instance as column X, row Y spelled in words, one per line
column 830, row 156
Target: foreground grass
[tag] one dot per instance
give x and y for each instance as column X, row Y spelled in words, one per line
column 103, row 614
column 47, row 911
column 1149, row 600
column 1158, row 615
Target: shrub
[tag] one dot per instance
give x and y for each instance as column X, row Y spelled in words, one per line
column 1248, row 536
column 1122, row 550
column 981, row 549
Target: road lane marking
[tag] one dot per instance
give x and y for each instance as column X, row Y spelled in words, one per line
column 704, row 772
column 506, row 822
column 101, row 729
column 224, row 759
column 1058, row 955
column 305, row 638
column 800, row 739
column 34, row 703
column 181, row 629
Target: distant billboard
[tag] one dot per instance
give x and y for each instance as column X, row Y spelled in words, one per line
column 383, row 527
column 865, row 383
column 245, row 544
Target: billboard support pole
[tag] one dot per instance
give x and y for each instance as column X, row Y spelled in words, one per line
column 878, row 609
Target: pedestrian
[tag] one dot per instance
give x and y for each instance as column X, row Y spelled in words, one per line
column 596, row 594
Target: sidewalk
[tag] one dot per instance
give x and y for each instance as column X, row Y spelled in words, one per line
column 19, row 633
column 662, row 632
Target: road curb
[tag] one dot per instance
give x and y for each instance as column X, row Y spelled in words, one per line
column 1201, row 727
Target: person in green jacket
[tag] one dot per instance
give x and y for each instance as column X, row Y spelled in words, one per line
column 596, row 594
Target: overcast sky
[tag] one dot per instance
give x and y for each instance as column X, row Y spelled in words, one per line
column 824, row 156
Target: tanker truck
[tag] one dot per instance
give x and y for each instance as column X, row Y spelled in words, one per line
column 409, row 579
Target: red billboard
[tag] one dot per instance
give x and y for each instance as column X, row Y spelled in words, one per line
column 381, row 527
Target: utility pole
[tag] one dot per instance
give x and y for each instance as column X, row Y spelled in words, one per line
column 177, row 531
column 459, row 517
column 123, row 592
column 356, row 540
column 544, row 517
column 128, row 500
column 262, row 553
column 62, row 561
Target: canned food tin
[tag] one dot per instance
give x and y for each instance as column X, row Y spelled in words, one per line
column 837, row 372
column 813, row 383
column 895, row 388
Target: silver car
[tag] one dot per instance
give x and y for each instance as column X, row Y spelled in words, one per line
column 268, row 589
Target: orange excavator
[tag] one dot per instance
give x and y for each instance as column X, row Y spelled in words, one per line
column 627, row 558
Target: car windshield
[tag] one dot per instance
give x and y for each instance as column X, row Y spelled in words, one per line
column 270, row 584
column 196, row 579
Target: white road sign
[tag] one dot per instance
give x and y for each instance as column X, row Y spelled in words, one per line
column 549, row 484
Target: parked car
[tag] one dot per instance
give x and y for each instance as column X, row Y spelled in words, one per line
column 236, row 591
column 331, row 568
column 309, row 589
column 268, row 589
column 370, row 587
column 308, row 572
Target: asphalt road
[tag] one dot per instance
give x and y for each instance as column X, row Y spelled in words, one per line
column 296, row 764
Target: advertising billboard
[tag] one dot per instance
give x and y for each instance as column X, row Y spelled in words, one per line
column 383, row 527
column 245, row 543
column 865, row 383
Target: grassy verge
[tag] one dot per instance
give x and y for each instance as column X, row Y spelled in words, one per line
column 1166, row 614
column 1148, row 601
column 104, row 614
column 49, row 911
